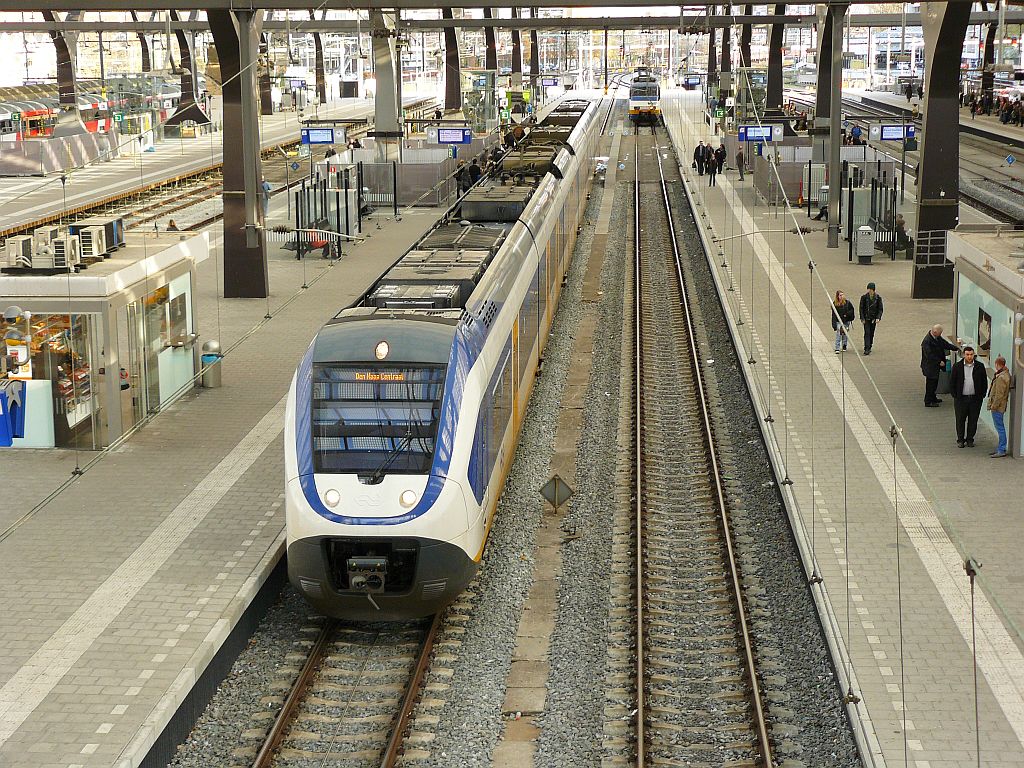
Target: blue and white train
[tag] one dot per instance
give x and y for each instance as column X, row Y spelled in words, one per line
column 644, row 97
column 403, row 416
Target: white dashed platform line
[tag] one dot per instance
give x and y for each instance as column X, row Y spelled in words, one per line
column 999, row 659
column 36, row 679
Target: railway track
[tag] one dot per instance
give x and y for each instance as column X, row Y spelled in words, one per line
column 351, row 702
column 698, row 700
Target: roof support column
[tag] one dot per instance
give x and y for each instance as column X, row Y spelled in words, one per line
column 266, row 93
column 490, row 45
column 725, row 78
column 188, row 104
column 147, row 61
column 835, row 119
column 452, row 67
column 823, row 84
column 745, row 35
column 535, row 53
column 69, row 121
column 712, row 53
column 938, row 181
column 318, row 56
column 516, row 80
column 773, row 100
column 386, row 109
column 988, row 74
column 235, row 33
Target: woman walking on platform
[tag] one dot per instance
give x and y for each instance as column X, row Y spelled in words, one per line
column 842, row 319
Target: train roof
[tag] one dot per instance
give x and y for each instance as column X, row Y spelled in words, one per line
column 435, row 279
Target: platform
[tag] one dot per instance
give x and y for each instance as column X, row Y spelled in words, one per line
column 984, row 126
column 899, row 597
column 26, row 200
column 119, row 591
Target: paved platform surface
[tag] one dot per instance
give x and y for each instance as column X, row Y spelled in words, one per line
column 23, row 201
column 117, row 593
column 898, row 590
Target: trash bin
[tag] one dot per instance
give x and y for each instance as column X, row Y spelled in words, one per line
column 865, row 244
column 211, row 364
column 823, row 196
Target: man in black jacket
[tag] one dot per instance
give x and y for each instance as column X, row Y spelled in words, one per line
column 870, row 315
column 701, row 156
column 968, row 384
column 933, row 358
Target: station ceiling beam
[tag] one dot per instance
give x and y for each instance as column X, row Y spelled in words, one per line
column 877, row 20
column 348, row 5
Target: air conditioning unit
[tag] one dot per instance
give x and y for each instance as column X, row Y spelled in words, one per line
column 93, row 242
column 45, row 235
column 66, row 252
column 19, row 251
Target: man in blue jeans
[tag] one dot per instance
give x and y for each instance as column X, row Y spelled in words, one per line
column 998, row 396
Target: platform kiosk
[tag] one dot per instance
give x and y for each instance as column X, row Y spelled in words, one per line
column 989, row 269
column 108, row 344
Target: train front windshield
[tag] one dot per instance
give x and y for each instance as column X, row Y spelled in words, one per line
column 373, row 420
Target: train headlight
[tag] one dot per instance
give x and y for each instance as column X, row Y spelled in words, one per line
column 332, row 498
column 381, row 350
column 407, row 498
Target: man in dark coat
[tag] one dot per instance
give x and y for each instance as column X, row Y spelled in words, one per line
column 933, row 358
column 701, row 155
column 870, row 315
column 968, row 384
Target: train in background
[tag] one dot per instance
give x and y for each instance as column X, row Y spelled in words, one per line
column 403, row 417
column 645, row 97
column 31, row 111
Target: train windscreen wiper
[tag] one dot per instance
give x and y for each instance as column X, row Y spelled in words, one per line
column 378, row 473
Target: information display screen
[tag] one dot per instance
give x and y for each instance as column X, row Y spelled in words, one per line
column 549, row 81
column 454, row 136
column 317, row 135
column 693, row 79
column 758, row 132
column 895, row 132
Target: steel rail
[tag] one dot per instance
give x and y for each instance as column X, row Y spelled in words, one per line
column 638, row 436
column 716, row 475
column 393, row 750
column 296, row 695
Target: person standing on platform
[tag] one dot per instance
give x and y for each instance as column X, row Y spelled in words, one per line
column 720, row 155
column 700, row 158
column 712, row 169
column 740, row 161
column 474, row 171
column 968, row 384
column 265, row 196
column 998, row 396
column 870, row 315
column 933, row 360
column 842, row 319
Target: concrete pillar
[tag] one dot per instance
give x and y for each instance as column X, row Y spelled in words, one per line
column 188, row 105
column 835, row 120
column 235, row 33
column 69, row 121
column 938, row 182
column 452, row 67
column 773, row 98
column 490, row 45
column 147, row 61
column 386, row 112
